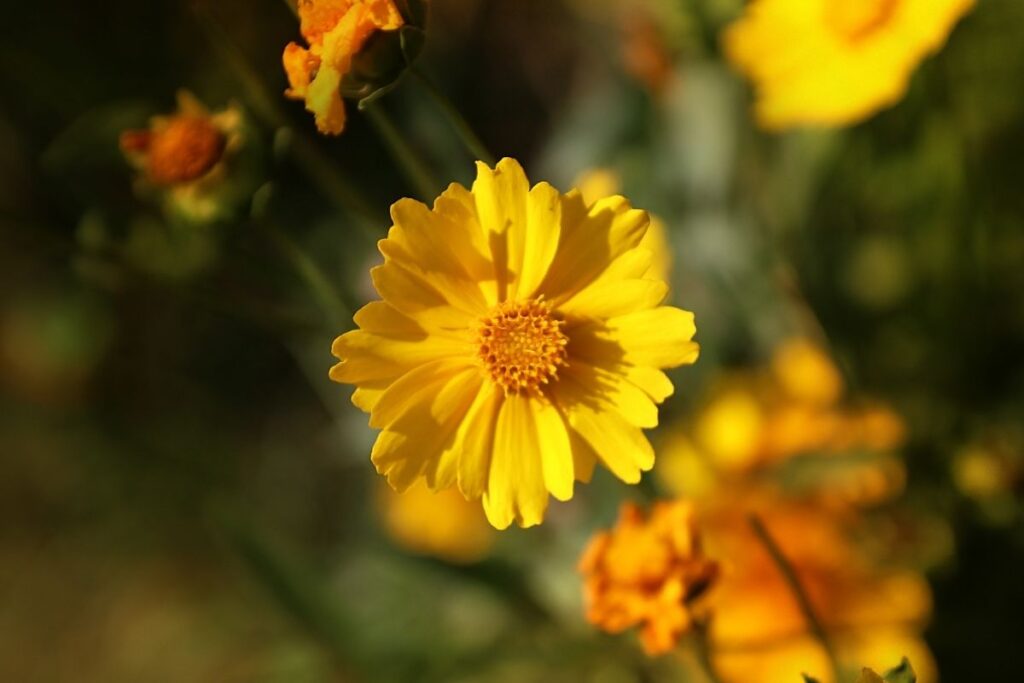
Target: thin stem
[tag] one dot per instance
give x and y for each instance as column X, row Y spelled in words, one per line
column 408, row 160
column 469, row 138
column 700, row 637
column 803, row 601
column 335, row 311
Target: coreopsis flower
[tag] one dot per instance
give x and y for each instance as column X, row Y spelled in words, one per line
column 184, row 156
column 835, row 62
column 441, row 524
column 873, row 614
column 517, row 343
column 647, row 571
column 336, row 31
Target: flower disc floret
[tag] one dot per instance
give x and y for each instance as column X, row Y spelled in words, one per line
column 522, row 345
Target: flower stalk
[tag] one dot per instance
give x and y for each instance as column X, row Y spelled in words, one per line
column 411, row 164
column 799, row 594
column 467, row 135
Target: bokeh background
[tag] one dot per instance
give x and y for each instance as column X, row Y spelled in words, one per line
column 186, row 497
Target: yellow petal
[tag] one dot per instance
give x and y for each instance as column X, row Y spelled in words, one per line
column 554, row 448
column 611, row 391
column 536, row 245
column 515, row 486
column 622, row 447
column 413, row 443
column 411, row 389
column 589, row 245
column 500, row 196
column 431, row 246
column 611, row 298
column 475, row 441
column 419, row 299
column 659, row 337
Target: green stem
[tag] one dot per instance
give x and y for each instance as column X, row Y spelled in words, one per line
column 335, row 311
column 469, row 138
column 803, row 601
column 700, row 632
column 415, row 170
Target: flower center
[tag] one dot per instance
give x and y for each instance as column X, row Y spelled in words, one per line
column 185, row 150
column 522, row 345
column 855, row 20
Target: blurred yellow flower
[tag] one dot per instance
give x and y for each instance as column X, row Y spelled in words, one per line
column 335, row 31
column 756, row 421
column 758, row 632
column 442, row 524
column 517, row 343
column 835, row 62
column 185, row 154
column 647, row 571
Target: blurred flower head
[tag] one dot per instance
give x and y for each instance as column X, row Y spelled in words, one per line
column 336, row 31
column 184, row 156
column 519, row 340
column 787, row 421
column 873, row 614
column 835, row 62
column 441, row 524
column 647, row 571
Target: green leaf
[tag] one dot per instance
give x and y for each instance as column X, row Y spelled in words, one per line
column 904, row 673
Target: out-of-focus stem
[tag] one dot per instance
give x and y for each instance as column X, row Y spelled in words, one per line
column 803, row 601
column 700, row 637
column 335, row 311
column 466, row 134
column 408, row 160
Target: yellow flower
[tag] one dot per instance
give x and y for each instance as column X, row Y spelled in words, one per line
column 335, row 30
column 442, row 524
column 835, row 62
column 185, row 154
column 517, row 343
column 647, row 572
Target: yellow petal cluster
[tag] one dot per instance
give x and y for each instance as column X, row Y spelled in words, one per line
column 647, row 571
column 835, row 62
column 335, row 31
column 518, row 341
column 755, row 421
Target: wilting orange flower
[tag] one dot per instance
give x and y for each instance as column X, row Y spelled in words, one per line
column 442, row 524
column 184, row 154
column 647, row 572
column 835, row 62
column 335, row 31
